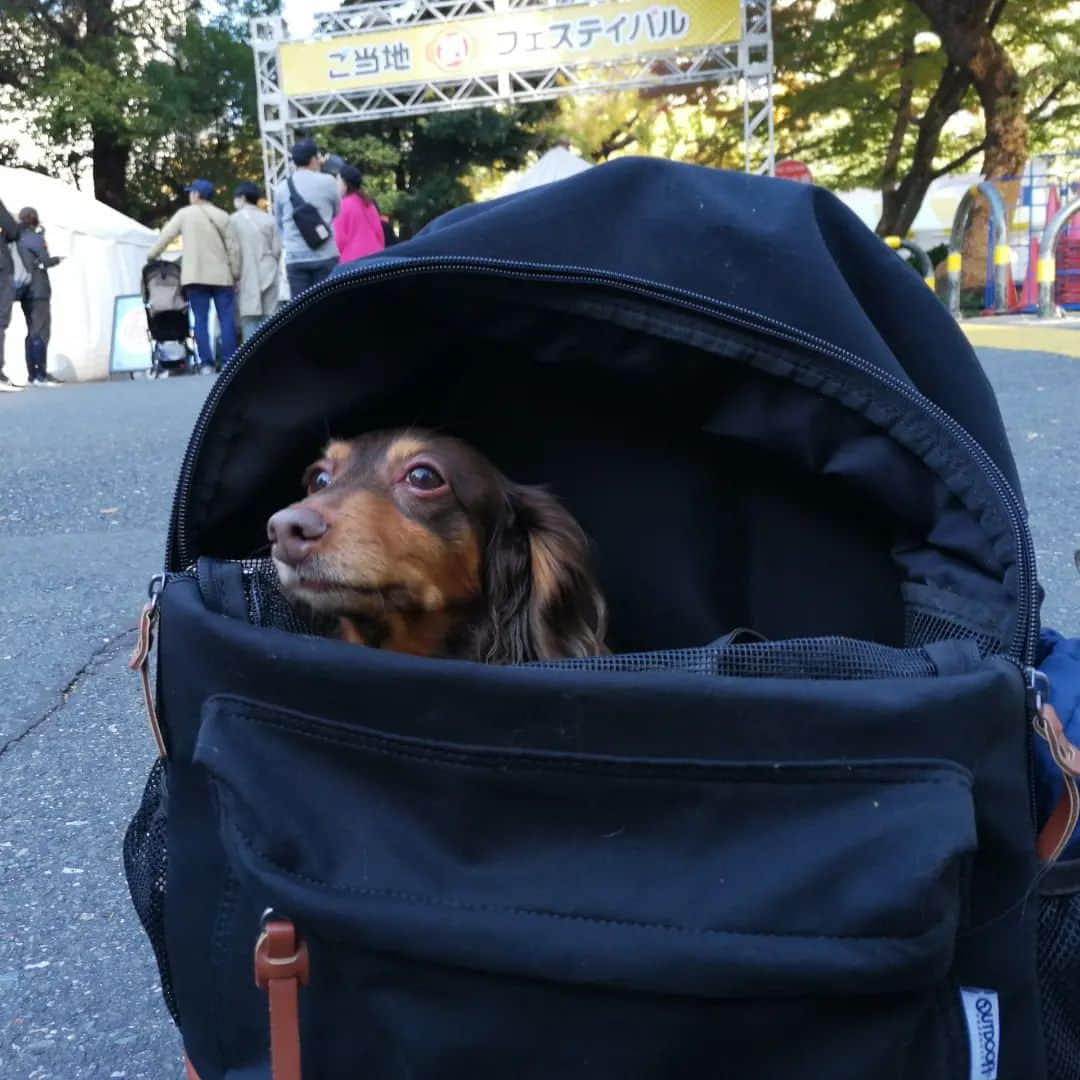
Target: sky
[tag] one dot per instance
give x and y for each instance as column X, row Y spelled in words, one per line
column 299, row 14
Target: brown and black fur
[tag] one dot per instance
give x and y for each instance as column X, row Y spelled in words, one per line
column 481, row 569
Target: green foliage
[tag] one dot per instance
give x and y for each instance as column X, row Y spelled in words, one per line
column 160, row 92
column 156, row 94
column 849, row 84
column 418, row 169
column 203, row 105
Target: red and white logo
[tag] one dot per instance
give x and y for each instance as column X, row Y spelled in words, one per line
column 450, row 50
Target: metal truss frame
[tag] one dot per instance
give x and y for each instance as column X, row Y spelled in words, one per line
column 746, row 66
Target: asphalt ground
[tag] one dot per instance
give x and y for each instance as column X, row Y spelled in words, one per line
column 86, row 481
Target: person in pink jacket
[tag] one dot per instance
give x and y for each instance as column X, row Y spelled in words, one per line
column 357, row 228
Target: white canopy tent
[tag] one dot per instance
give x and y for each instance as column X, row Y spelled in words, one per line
column 104, row 252
column 557, row 164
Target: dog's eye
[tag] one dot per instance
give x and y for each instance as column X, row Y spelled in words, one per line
column 424, row 478
column 320, row 480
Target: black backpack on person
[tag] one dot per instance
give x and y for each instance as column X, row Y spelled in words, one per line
column 806, row 857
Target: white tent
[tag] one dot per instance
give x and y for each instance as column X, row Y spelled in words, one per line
column 103, row 251
column 557, row 164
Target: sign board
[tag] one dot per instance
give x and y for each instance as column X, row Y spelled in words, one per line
column 794, row 170
column 130, row 349
column 519, row 40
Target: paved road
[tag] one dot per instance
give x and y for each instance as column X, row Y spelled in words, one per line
column 86, row 477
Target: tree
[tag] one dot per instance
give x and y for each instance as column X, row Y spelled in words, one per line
column 890, row 94
column 152, row 93
column 419, row 168
column 203, row 110
column 895, row 94
column 75, row 64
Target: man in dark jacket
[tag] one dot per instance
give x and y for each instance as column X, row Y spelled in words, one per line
column 36, row 298
column 8, row 232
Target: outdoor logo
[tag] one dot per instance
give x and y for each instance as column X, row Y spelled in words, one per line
column 450, row 50
column 984, row 1031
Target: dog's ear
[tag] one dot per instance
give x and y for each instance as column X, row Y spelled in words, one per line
column 542, row 601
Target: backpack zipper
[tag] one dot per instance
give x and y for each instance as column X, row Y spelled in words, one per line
column 1022, row 648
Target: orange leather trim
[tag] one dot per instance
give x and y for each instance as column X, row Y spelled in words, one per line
column 281, row 968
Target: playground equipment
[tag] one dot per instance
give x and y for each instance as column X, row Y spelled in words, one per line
column 918, row 256
column 1002, row 266
column 1033, row 231
column 1048, row 253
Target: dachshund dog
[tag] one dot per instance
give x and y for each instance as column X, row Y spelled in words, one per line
column 415, row 542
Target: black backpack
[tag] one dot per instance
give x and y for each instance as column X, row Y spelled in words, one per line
column 308, row 220
column 808, row 856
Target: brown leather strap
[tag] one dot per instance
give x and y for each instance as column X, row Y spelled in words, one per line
column 140, row 662
column 1059, row 827
column 281, row 968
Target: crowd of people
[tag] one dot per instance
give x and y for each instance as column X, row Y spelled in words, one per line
column 322, row 217
column 24, row 279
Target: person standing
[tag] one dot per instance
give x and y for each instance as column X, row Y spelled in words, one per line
column 260, row 251
column 209, row 267
column 358, row 229
column 305, row 205
column 9, row 231
column 35, row 297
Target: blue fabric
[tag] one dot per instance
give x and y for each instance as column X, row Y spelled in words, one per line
column 1059, row 661
column 223, row 298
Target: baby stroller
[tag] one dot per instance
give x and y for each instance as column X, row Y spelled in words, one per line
column 806, row 856
column 168, row 321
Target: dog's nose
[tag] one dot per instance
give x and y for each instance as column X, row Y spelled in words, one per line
column 293, row 532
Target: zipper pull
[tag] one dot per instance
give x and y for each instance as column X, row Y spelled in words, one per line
column 1059, row 827
column 1037, row 687
column 140, row 657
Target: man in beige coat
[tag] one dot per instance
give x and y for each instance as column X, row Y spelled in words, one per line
column 209, row 268
column 260, row 246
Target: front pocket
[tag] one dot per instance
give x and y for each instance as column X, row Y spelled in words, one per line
column 614, row 916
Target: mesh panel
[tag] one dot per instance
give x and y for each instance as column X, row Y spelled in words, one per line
column 796, row 658
column 145, row 861
column 1059, row 984
column 266, row 605
column 923, row 627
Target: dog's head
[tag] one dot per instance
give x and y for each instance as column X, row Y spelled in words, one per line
column 416, row 542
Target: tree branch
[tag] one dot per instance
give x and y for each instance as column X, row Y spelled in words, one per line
column 995, row 14
column 621, row 137
column 1033, row 113
column 963, row 159
column 903, row 120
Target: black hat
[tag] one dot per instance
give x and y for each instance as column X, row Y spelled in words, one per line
column 352, row 176
column 333, row 164
column 303, row 151
column 248, row 190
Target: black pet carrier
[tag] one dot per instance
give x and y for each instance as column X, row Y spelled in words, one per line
column 811, row 855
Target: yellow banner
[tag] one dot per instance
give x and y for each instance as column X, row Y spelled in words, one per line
column 522, row 40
